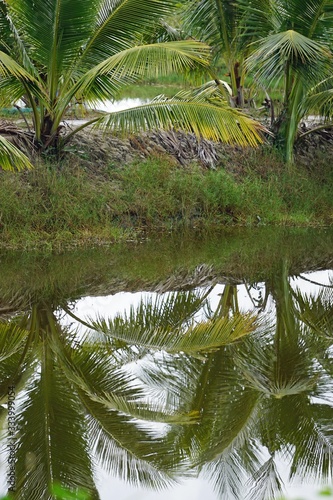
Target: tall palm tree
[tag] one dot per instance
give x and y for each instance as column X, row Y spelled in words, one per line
column 56, row 53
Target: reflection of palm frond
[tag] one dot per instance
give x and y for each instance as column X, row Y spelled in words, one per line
column 229, row 472
column 57, row 447
column 170, row 379
column 267, row 483
column 313, row 439
column 12, row 340
column 167, row 324
column 93, row 372
column 226, row 475
column 15, row 363
column 317, row 312
column 277, row 370
column 126, row 449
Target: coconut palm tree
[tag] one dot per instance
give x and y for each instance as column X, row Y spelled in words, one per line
column 54, row 54
column 220, row 23
column 293, row 49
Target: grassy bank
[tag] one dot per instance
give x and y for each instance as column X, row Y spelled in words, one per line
column 72, row 203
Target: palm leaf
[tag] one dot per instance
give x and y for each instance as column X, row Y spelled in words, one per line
column 117, row 26
column 9, row 32
column 317, row 312
column 54, row 30
column 306, row 56
column 12, row 158
column 171, row 310
column 153, row 60
column 313, row 439
column 127, row 450
column 219, row 123
column 229, row 473
column 218, row 23
column 8, row 66
column 12, row 340
column 91, row 369
column 17, row 358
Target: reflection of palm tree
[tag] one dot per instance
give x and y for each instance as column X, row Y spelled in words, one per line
column 171, row 361
column 257, row 395
column 76, row 392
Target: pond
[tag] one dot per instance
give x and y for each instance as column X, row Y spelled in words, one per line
column 191, row 365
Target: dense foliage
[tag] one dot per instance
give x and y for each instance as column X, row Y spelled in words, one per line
column 60, row 53
column 277, row 43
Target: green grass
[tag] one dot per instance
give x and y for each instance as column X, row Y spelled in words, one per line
column 70, row 204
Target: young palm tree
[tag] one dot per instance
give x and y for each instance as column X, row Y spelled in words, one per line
column 56, row 53
column 219, row 23
column 294, row 39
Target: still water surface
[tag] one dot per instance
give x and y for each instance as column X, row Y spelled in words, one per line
column 185, row 366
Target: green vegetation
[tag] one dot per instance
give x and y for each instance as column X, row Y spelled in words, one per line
column 279, row 46
column 278, row 43
column 68, row 204
column 54, row 54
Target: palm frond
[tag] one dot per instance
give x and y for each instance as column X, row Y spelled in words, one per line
column 217, row 23
column 117, row 26
column 207, row 120
column 12, row 158
column 317, row 312
column 151, row 60
column 259, row 19
column 8, row 66
column 11, row 41
column 55, row 450
column 168, row 311
column 91, row 369
column 12, row 340
column 55, row 31
column 127, row 449
column 304, row 55
column 313, row 440
column 278, row 371
column 230, row 471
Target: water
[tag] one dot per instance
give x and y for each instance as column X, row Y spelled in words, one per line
column 130, row 102
column 199, row 359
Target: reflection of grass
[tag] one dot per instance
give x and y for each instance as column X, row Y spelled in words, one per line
column 61, row 493
column 323, row 493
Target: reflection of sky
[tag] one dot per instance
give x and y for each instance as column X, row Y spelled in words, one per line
column 191, row 489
